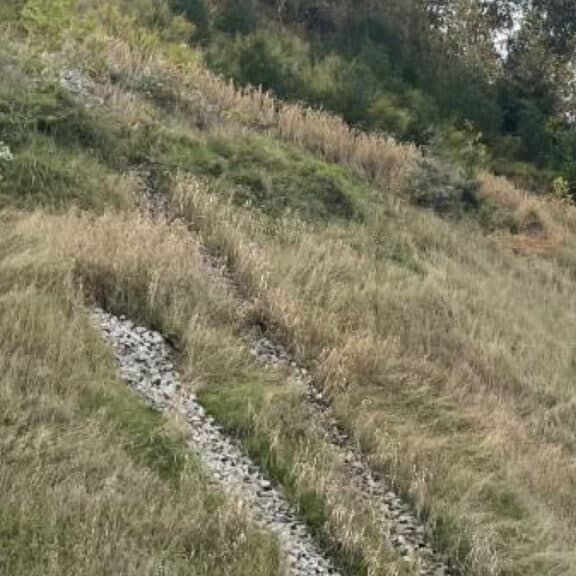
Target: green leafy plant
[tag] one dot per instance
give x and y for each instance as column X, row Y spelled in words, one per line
column 54, row 19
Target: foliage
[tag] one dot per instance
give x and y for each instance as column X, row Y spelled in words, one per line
column 422, row 65
column 237, row 17
column 263, row 60
column 560, row 188
column 462, row 148
column 53, row 19
column 196, row 12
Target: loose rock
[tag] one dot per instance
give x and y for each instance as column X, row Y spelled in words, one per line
column 144, row 363
column 407, row 533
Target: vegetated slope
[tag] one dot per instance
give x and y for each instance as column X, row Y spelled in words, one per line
column 93, row 481
column 443, row 338
column 430, row 70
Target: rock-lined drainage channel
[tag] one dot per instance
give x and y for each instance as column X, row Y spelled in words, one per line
column 400, row 526
column 407, row 532
column 144, row 362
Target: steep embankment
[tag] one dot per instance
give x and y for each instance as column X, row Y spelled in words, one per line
column 438, row 343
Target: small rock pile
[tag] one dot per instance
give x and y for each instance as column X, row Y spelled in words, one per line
column 144, row 362
column 79, row 85
column 76, row 82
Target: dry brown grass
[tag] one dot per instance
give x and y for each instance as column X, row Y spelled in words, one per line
column 153, row 271
column 450, row 359
column 93, row 482
column 542, row 223
column 377, row 158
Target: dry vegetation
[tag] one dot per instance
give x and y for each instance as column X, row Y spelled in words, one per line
column 198, row 92
column 93, row 481
column 200, row 98
column 448, row 352
column 449, row 364
column 154, row 272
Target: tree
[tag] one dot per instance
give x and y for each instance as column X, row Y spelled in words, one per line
column 558, row 23
column 237, row 17
column 467, row 29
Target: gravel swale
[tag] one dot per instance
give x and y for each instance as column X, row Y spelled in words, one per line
column 144, row 362
column 407, row 533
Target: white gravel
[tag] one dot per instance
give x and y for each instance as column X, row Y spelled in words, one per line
column 407, row 532
column 144, row 362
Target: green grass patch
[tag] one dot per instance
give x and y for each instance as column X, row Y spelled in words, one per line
column 264, row 174
column 43, row 173
column 146, row 437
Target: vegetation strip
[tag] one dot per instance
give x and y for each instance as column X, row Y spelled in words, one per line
column 144, row 362
column 400, row 525
column 405, row 532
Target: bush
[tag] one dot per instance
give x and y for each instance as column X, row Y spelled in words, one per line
column 437, row 188
column 275, row 63
column 54, row 19
column 462, row 148
column 446, row 192
column 237, row 17
column 197, row 13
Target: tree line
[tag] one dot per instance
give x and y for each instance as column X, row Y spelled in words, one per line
column 497, row 73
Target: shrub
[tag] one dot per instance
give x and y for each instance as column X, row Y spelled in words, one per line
column 196, row 12
column 274, row 63
column 462, row 148
column 237, row 17
column 435, row 187
column 53, row 20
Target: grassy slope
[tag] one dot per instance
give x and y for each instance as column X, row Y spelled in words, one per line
column 446, row 353
column 152, row 272
column 93, row 481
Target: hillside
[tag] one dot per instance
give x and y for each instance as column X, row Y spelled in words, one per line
column 240, row 337
column 498, row 75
